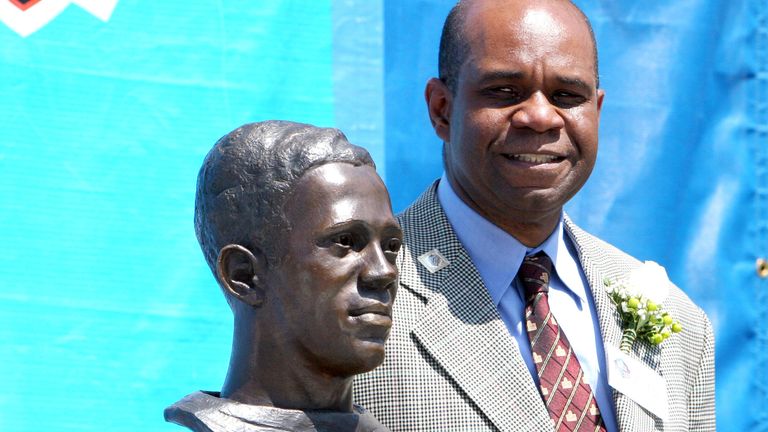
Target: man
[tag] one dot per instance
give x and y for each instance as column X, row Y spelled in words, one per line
column 490, row 262
column 298, row 230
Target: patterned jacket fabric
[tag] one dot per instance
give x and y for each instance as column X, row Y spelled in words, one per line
column 451, row 364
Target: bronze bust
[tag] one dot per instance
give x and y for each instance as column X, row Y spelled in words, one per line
column 298, row 230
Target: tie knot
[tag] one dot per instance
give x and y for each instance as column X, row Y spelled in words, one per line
column 534, row 274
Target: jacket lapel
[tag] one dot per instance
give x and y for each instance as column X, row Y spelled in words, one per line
column 460, row 327
column 596, row 261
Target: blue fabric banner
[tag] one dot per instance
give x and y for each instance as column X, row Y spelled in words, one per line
column 108, row 312
column 682, row 172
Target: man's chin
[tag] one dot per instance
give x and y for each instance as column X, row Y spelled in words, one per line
column 537, row 200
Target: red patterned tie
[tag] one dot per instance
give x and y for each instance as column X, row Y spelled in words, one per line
column 564, row 389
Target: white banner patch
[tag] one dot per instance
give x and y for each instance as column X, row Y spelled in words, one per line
column 28, row 16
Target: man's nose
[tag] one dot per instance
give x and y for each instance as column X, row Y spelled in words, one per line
column 378, row 272
column 537, row 113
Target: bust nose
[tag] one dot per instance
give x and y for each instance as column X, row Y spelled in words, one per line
column 378, row 272
column 537, row 113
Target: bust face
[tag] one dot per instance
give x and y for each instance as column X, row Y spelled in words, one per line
column 333, row 289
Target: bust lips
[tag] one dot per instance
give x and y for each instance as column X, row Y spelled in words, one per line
column 375, row 320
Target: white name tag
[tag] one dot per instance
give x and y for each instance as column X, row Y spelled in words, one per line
column 638, row 382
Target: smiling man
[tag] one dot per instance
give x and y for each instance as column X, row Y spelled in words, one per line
column 503, row 321
column 298, row 230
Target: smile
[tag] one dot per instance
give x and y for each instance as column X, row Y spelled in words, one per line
column 532, row 158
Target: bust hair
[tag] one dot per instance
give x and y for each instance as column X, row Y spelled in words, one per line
column 248, row 175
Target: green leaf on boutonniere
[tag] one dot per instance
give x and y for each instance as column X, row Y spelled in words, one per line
column 638, row 299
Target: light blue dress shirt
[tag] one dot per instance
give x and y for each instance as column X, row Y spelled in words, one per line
column 498, row 256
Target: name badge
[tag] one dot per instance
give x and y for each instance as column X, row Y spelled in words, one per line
column 638, row 382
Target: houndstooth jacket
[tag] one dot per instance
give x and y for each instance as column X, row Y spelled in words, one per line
column 451, row 364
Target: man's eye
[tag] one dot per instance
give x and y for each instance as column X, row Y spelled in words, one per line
column 503, row 92
column 568, row 99
column 502, row 95
column 344, row 240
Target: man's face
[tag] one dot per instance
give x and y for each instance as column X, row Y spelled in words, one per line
column 334, row 286
column 522, row 132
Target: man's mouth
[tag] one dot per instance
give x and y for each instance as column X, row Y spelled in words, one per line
column 533, row 158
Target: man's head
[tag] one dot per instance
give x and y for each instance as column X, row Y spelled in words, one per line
column 520, row 123
column 299, row 230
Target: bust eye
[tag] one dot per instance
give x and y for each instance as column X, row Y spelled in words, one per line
column 393, row 245
column 344, row 240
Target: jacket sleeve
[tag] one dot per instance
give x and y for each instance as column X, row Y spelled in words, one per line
column 701, row 405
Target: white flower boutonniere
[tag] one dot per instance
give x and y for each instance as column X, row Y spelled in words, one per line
column 638, row 298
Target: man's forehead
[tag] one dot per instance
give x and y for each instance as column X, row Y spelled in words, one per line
column 536, row 25
column 555, row 15
column 541, row 23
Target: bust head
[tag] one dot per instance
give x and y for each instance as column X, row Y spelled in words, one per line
column 299, row 232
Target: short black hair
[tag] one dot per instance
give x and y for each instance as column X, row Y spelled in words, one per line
column 454, row 47
column 248, row 175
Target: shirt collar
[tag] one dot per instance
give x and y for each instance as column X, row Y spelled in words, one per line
column 498, row 255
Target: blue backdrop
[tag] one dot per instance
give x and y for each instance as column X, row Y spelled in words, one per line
column 108, row 312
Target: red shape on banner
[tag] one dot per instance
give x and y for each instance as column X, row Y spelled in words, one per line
column 24, row 4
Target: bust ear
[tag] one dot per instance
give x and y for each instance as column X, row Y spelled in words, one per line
column 240, row 273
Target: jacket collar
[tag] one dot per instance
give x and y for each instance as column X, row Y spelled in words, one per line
column 598, row 265
column 460, row 326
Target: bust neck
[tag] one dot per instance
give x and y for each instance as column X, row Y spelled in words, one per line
column 262, row 372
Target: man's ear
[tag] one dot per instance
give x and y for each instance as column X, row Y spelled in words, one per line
column 241, row 273
column 439, row 100
column 600, row 97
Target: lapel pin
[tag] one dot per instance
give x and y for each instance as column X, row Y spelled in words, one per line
column 433, row 260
